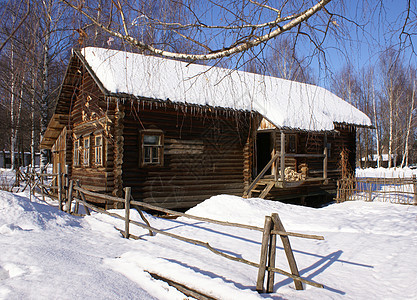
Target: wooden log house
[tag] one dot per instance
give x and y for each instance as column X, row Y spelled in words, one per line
column 178, row 133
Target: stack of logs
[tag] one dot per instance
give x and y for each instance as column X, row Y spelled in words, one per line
column 292, row 175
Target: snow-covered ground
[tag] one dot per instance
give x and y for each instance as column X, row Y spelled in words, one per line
column 369, row 252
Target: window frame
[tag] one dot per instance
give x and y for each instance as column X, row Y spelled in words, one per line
column 159, row 148
column 99, row 149
column 86, row 151
column 76, row 153
column 290, row 136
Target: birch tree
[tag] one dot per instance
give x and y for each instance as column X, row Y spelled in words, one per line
column 404, row 161
column 235, row 28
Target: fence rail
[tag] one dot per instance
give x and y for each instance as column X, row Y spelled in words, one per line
column 394, row 190
column 70, row 195
column 272, row 229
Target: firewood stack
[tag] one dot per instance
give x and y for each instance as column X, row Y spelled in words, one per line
column 292, row 175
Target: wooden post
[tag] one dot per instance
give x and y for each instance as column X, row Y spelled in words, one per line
column 272, row 254
column 142, row 216
column 69, row 200
column 264, row 254
column 369, row 191
column 82, row 196
column 59, row 187
column 282, row 158
column 66, row 181
column 30, row 186
column 127, row 210
column 288, row 252
column 77, row 203
column 415, row 189
column 326, row 181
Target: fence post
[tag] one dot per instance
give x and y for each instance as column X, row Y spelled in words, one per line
column 69, row 200
column 272, row 254
column 30, row 186
column 127, row 210
column 59, row 187
column 264, row 254
column 415, row 189
column 82, row 196
column 66, row 175
column 369, row 191
column 338, row 191
column 288, row 253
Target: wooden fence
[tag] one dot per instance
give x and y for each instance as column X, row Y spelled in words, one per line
column 70, row 195
column 273, row 227
column 52, row 185
column 394, row 190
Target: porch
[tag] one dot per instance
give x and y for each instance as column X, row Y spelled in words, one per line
column 279, row 173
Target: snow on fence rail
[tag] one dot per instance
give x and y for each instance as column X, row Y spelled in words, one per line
column 394, row 190
column 68, row 191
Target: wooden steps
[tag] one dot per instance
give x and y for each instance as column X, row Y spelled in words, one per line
column 261, row 189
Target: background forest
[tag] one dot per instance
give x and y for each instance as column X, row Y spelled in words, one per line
column 36, row 38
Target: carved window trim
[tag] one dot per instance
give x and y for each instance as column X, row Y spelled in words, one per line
column 86, row 151
column 76, row 153
column 99, row 150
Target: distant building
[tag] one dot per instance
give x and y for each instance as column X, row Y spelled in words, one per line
column 372, row 160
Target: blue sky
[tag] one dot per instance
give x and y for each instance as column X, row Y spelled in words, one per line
column 378, row 24
column 381, row 26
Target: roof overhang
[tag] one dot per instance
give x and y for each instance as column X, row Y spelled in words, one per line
column 55, row 126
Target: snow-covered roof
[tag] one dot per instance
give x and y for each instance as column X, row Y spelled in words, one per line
column 283, row 102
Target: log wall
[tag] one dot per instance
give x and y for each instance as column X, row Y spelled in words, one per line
column 94, row 113
column 203, row 155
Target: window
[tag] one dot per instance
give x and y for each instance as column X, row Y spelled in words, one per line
column 291, row 143
column 86, row 151
column 76, row 158
column 98, row 150
column 152, row 148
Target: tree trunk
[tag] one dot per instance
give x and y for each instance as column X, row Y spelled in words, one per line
column 410, row 119
column 391, row 127
column 44, row 97
column 32, row 130
column 12, row 112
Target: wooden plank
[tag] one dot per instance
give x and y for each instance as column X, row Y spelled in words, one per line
column 282, row 158
column 267, row 189
column 272, row 255
column 127, row 210
column 298, row 155
column 264, row 255
column 288, row 252
column 70, row 195
column 183, row 288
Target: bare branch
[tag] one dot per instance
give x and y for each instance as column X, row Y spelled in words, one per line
column 251, row 42
column 17, row 27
